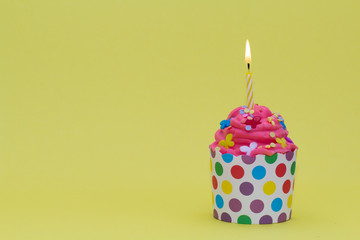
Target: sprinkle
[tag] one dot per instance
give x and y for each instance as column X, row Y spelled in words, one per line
column 242, row 111
column 257, row 119
column 289, row 140
column 227, row 142
column 249, row 118
column 267, row 146
column 246, row 110
column 249, row 149
column 272, row 144
column 252, row 111
column 272, row 134
column 271, row 121
column 225, row 123
column 248, row 127
column 282, row 141
column 251, row 115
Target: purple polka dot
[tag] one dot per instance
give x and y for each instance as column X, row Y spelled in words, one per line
column 257, row 206
column 213, row 153
column 248, row 159
column 266, row 219
column 282, row 217
column 225, row 217
column 289, row 155
column 215, row 214
column 235, row 205
column 246, row 188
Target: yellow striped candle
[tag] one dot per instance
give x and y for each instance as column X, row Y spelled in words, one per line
column 249, row 78
column 249, row 91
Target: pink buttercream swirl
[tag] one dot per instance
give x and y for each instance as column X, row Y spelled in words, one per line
column 253, row 133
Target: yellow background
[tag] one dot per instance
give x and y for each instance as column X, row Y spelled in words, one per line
column 107, row 109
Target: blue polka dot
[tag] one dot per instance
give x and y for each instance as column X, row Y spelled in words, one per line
column 276, row 204
column 227, row 157
column 259, row 172
column 219, row 201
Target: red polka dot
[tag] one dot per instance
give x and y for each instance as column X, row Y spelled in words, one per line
column 237, row 171
column 286, row 186
column 214, row 182
column 280, row 170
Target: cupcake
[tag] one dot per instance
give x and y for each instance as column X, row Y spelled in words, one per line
column 252, row 168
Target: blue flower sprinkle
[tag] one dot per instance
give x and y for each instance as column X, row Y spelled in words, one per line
column 225, row 123
column 283, row 125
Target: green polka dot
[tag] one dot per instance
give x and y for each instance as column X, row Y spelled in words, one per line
column 218, row 169
column 293, row 165
column 243, row 219
column 271, row 159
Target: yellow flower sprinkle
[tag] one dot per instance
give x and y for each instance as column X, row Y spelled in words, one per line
column 268, row 146
column 272, row 144
column 269, row 119
column 272, row 134
column 273, row 123
column 246, row 110
column 252, row 111
column 282, row 141
column 227, row 142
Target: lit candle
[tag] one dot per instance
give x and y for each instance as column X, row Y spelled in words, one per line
column 249, row 83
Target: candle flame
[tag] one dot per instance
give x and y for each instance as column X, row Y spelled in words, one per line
column 247, row 52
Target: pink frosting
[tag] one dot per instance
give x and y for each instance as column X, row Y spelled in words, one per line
column 262, row 133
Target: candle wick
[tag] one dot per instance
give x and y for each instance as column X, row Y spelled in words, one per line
column 248, row 65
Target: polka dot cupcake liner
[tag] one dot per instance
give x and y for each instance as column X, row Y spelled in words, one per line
column 252, row 190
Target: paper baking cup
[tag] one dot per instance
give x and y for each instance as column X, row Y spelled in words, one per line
column 252, row 190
